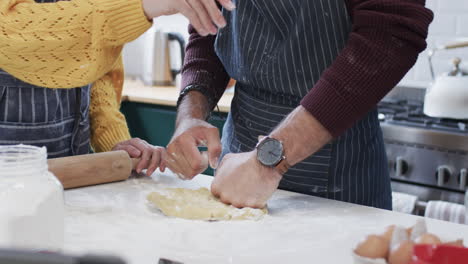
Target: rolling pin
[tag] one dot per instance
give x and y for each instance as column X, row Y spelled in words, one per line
column 92, row 169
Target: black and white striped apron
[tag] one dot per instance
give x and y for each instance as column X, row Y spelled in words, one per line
column 277, row 50
column 55, row 118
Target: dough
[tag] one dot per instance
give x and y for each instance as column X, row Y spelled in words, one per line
column 200, row 204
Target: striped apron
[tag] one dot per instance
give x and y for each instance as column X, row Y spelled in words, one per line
column 277, row 50
column 55, row 118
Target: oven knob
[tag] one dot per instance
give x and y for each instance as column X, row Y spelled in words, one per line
column 443, row 175
column 462, row 179
column 401, row 167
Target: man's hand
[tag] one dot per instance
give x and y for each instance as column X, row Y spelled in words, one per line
column 203, row 14
column 151, row 156
column 183, row 156
column 243, row 182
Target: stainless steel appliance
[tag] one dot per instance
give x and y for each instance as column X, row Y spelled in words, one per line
column 428, row 157
column 151, row 57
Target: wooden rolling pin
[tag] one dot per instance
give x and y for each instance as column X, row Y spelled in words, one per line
column 92, row 169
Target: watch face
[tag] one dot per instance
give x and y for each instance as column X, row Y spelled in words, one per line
column 270, row 152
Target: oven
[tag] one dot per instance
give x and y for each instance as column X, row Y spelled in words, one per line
column 428, row 157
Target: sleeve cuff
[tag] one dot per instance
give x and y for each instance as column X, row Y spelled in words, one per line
column 108, row 139
column 330, row 108
column 127, row 18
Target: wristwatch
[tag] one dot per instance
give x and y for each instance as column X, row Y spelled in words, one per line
column 270, row 153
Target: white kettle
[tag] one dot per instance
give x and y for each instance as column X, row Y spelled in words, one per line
column 447, row 97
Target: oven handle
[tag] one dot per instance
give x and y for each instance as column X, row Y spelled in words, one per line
column 420, row 207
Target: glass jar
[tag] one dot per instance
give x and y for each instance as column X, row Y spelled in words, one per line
column 31, row 200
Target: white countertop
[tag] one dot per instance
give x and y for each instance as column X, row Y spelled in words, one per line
column 115, row 218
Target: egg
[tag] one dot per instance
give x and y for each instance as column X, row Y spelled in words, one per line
column 428, row 238
column 409, row 230
column 456, row 243
column 417, row 230
column 373, row 246
column 401, row 253
column 389, row 232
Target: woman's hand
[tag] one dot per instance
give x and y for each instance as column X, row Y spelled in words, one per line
column 151, row 156
column 203, row 14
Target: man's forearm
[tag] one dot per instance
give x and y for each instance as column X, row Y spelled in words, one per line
column 193, row 105
column 301, row 134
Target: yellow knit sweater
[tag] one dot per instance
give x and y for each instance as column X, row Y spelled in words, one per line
column 73, row 43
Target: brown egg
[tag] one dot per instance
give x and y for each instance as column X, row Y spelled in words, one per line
column 373, row 246
column 409, row 230
column 401, row 253
column 389, row 232
column 428, row 238
column 456, row 243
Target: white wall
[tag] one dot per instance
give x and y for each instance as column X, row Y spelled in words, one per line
column 450, row 23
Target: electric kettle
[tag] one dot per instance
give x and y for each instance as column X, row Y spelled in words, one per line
column 150, row 57
column 447, row 96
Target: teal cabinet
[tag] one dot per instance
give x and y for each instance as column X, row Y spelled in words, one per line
column 155, row 123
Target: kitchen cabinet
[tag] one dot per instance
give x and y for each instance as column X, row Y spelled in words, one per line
column 155, row 123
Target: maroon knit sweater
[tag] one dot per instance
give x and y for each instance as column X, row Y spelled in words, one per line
column 386, row 38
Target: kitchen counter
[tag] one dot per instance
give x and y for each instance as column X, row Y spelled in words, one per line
column 137, row 91
column 115, row 218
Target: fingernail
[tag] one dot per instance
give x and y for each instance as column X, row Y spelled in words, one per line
column 231, row 6
column 203, row 143
column 203, row 33
column 214, row 163
column 181, row 176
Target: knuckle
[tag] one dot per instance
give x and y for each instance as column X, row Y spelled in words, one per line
column 180, row 139
column 192, row 173
column 183, row 141
column 252, row 204
column 218, row 16
column 224, row 199
column 170, row 147
column 216, row 148
column 237, row 204
column 212, row 129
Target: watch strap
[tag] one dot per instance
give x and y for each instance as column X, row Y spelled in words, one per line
column 283, row 166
